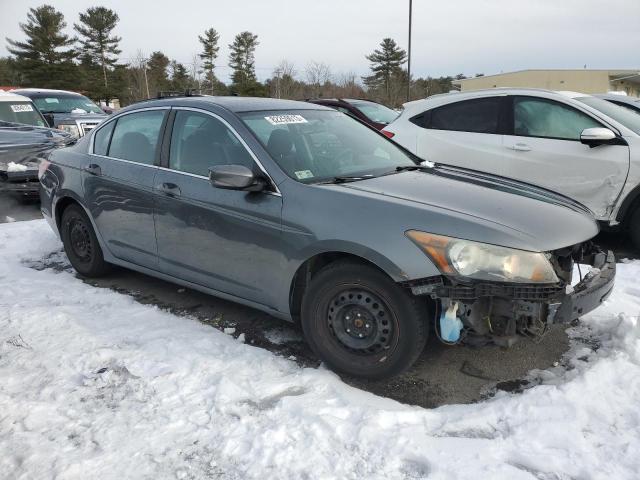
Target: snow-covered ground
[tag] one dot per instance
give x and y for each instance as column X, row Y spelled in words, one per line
column 94, row 385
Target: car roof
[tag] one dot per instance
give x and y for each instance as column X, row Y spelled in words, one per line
column 416, row 106
column 618, row 97
column 12, row 97
column 236, row 104
column 45, row 91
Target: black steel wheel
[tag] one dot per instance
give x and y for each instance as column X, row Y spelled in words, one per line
column 80, row 243
column 360, row 322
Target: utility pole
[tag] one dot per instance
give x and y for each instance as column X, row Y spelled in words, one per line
column 146, row 81
column 409, row 54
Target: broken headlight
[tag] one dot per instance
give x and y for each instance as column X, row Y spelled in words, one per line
column 481, row 261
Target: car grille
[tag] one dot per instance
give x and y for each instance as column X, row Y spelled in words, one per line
column 86, row 127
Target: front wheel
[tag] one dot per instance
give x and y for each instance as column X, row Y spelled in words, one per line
column 81, row 244
column 360, row 322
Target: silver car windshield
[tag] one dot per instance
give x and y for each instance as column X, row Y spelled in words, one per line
column 626, row 117
column 316, row 145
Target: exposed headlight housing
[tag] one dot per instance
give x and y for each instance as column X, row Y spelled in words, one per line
column 482, row 261
column 70, row 128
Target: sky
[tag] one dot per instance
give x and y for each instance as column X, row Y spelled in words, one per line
column 450, row 37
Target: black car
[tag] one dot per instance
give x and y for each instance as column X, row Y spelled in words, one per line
column 370, row 112
column 67, row 111
column 312, row 216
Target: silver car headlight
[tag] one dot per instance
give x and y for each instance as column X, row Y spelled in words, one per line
column 482, row 261
column 71, row 129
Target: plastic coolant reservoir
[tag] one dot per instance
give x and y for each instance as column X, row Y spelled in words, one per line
column 450, row 324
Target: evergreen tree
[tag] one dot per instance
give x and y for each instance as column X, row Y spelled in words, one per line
column 386, row 66
column 180, row 79
column 209, row 54
column 242, row 61
column 158, row 79
column 45, row 57
column 99, row 46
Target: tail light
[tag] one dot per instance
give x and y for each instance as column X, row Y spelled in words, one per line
column 387, row 133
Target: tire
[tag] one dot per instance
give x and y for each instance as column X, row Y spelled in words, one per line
column 361, row 323
column 81, row 244
column 634, row 228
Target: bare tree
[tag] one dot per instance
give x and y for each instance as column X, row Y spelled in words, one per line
column 284, row 80
column 318, row 75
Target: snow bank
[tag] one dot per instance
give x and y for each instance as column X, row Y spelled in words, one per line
column 95, row 385
column 16, row 167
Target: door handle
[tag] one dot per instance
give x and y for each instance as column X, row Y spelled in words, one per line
column 170, row 189
column 520, row 147
column 92, row 169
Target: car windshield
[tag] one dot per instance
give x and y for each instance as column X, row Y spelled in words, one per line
column 20, row 112
column 66, row 104
column 625, row 116
column 374, row 111
column 315, row 145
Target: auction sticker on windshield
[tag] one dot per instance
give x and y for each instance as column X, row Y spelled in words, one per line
column 285, row 119
column 25, row 107
column 302, row 174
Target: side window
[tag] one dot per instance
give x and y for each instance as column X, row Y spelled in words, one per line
column 200, row 141
column 479, row 116
column 101, row 139
column 537, row 117
column 344, row 110
column 136, row 136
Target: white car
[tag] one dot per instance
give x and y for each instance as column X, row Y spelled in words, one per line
column 541, row 137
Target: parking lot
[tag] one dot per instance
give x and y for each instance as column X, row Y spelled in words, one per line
column 442, row 375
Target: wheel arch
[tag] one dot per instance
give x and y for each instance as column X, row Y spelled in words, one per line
column 314, row 263
column 629, row 205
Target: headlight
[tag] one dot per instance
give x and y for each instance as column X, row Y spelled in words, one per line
column 71, row 129
column 482, row 261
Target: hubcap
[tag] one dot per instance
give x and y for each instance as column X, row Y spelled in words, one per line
column 80, row 240
column 360, row 321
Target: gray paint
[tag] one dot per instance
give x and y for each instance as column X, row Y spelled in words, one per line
column 247, row 246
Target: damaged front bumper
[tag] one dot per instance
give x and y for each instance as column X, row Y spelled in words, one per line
column 496, row 312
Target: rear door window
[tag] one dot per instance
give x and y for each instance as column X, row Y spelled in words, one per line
column 136, row 135
column 479, row 115
column 102, row 138
column 539, row 117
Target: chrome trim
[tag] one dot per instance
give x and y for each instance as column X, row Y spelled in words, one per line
column 202, row 177
column 123, row 160
column 239, row 137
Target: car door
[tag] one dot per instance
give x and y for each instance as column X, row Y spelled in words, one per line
column 227, row 240
column 464, row 133
column 118, row 184
column 543, row 147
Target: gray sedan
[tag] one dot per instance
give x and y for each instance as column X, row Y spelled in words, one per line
column 303, row 212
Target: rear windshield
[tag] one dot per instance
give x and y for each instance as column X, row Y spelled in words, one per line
column 318, row 145
column 66, row 104
column 21, row 112
column 625, row 116
column 374, row 111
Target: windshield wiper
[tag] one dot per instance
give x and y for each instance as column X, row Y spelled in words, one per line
column 423, row 167
column 347, row 179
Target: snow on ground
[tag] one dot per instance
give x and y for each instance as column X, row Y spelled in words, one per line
column 95, row 385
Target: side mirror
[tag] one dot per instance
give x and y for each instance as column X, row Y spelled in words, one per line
column 235, row 177
column 597, row 136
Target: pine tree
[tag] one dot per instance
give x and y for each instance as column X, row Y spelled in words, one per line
column 158, row 79
column 209, row 54
column 180, row 79
column 45, row 57
column 99, row 46
column 386, row 64
column 242, row 61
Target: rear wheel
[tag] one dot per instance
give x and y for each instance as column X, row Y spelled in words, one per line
column 359, row 322
column 634, row 228
column 81, row 244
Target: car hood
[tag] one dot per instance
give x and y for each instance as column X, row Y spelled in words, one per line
column 487, row 208
column 24, row 144
column 72, row 117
